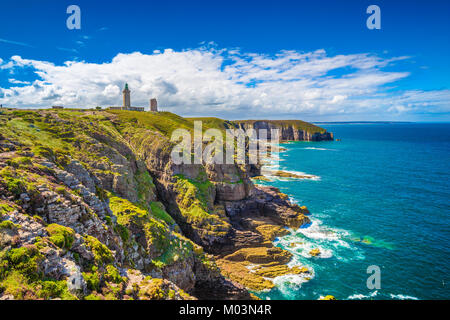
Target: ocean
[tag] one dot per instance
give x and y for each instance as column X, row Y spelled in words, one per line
column 380, row 197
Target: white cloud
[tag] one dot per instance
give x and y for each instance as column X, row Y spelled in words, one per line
column 14, row 81
column 16, row 43
column 8, row 65
column 338, row 99
column 111, row 91
column 228, row 83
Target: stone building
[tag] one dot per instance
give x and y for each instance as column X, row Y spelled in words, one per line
column 153, row 105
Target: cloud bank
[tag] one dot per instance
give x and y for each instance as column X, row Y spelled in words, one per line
column 228, row 83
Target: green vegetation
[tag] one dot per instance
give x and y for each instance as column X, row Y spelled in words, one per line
column 19, row 161
column 164, row 122
column 113, row 275
column 214, row 123
column 52, row 289
column 5, row 208
column 123, row 232
column 17, row 285
column 163, row 245
column 40, row 134
column 102, row 254
column 21, row 277
column 24, row 260
column 159, row 212
column 61, row 236
column 94, row 296
column 8, row 225
column 145, row 186
column 108, row 282
column 157, row 289
column 131, row 216
column 14, row 184
column 105, row 281
column 194, row 199
column 50, row 134
column 92, row 279
column 211, row 122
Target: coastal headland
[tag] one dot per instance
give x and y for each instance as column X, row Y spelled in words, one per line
column 93, row 207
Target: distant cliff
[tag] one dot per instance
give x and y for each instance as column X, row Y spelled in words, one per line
column 291, row 130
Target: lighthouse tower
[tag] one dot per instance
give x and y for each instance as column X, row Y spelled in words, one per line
column 126, row 97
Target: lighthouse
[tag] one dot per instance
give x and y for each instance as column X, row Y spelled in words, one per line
column 126, row 97
column 127, row 101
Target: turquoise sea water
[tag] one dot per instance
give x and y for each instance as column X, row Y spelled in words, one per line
column 381, row 198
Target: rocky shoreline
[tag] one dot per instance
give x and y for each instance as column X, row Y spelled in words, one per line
column 101, row 212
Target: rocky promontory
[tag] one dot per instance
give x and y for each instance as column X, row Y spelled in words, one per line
column 92, row 207
column 290, row 130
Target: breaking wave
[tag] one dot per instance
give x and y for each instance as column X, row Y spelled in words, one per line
column 362, row 297
column 321, row 149
column 402, row 297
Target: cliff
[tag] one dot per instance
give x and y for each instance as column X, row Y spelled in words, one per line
column 92, row 207
column 290, row 130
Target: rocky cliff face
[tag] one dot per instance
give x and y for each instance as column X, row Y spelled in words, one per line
column 290, row 130
column 92, row 207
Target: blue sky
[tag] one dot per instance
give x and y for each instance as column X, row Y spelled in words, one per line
column 229, row 58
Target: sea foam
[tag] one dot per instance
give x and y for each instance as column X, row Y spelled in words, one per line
column 361, row 296
column 321, row 149
column 402, row 297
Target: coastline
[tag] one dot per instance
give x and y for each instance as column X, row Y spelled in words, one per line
column 291, row 281
column 105, row 211
column 108, row 186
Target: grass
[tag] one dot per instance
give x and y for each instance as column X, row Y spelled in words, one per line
column 132, row 217
column 21, row 277
column 213, row 123
column 5, row 208
column 35, row 136
column 165, row 245
column 145, row 186
column 102, row 254
column 62, row 237
column 164, row 122
column 8, row 225
column 193, row 200
column 158, row 211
